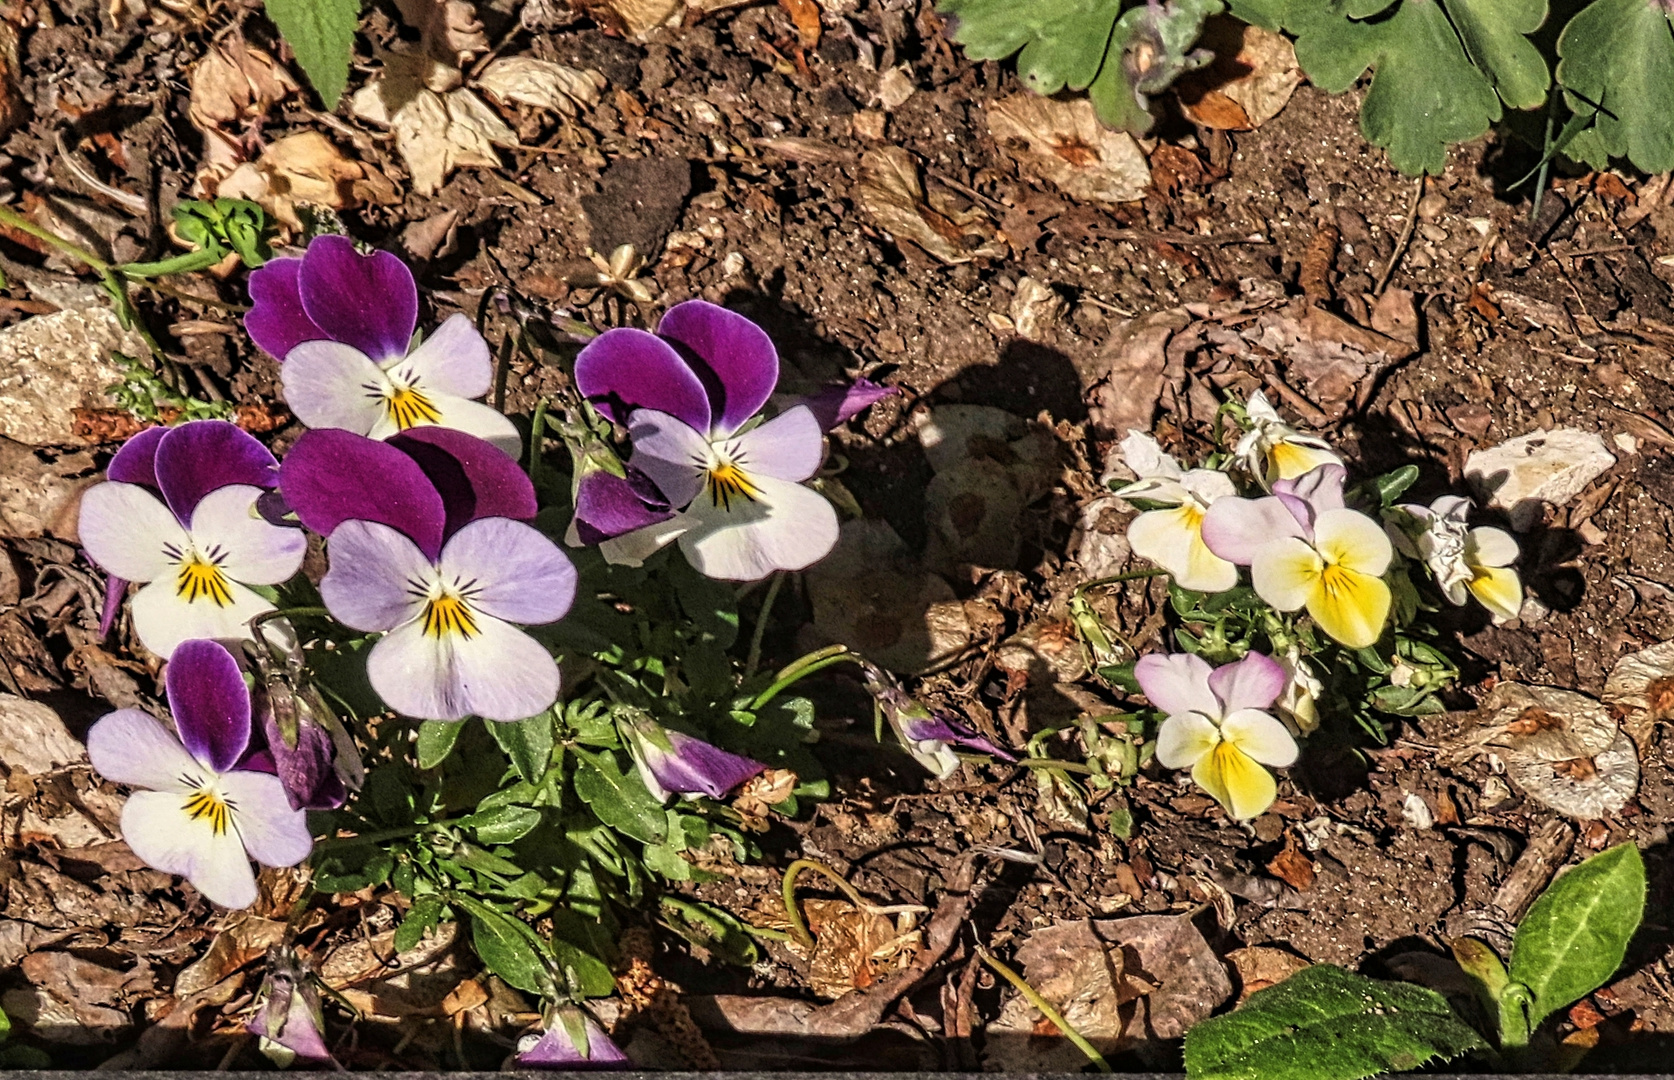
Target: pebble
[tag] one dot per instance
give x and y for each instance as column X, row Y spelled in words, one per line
column 1520, row 475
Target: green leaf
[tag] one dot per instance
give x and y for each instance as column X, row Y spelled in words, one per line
column 502, row 824
column 1575, row 935
column 711, row 928
column 504, row 950
column 322, row 34
column 5, row 1026
column 619, row 799
column 352, row 868
column 436, row 740
column 1493, row 32
column 1062, row 41
column 1392, row 485
column 1148, row 51
column 425, row 913
column 528, row 743
column 1426, row 94
column 1324, row 1023
column 1267, row 14
column 580, row 945
column 1617, row 56
column 663, row 859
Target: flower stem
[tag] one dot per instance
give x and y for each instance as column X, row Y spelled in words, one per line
column 286, row 613
column 1046, row 1010
column 537, row 441
column 1053, row 763
column 761, row 623
column 801, row 669
column 799, row 929
column 1131, row 575
column 11, row 217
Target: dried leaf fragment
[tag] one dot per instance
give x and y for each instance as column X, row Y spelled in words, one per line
column 1064, row 142
column 890, row 191
column 303, row 168
column 436, row 133
column 1248, row 83
column 541, row 84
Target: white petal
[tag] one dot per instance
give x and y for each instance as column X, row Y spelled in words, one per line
column 787, row 527
column 1209, row 485
column 1147, row 459
column 1490, row 547
column 272, row 833
column 1352, row 540
column 163, row 618
column 1174, row 541
column 512, row 570
column 164, row 836
column 1184, row 739
column 126, row 529
column 332, row 385
column 1157, row 489
column 1260, row 410
column 413, row 673
column 671, row 452
column 475, row 418
column 500, row 673
column 1260, row 737
column 454, row 360
column 633, row 548
column 789, row 447
column 227, row 529
column 135, row 748
column 378, row 578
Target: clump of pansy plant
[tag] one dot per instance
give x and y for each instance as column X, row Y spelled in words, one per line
column 413, row 659
column 1300, row 600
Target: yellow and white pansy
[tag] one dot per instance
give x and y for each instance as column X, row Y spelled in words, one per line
column 1466, row 561
column 1298, row 704
column 1272, row 450
column 1173, row 537
column 1306, row 549
column 1218, row 726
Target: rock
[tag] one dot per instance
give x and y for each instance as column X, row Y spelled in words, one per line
column 638, row 203
column 40, row 493
column 1520, row 475
column 33, row 738
column 53, row 364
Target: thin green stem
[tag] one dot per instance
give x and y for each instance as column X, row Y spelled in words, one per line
column 761, row 624
column 1131, row 575
column 361, row 839
column 1052, row 763
column 799, row 929
column 187, row 263
column 801, row 671
column 1046, row 1009
column 22, row 224
column 286, row 613
column 537, row 441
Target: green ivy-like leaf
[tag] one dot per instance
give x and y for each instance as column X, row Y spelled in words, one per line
column 1324, row 1023
column 620, row 799
column 322, row 34
column 1267, row 14
column 1575, row 935
column 1062, row 41
column 1617, row 56
column 528, row 743
column 1493, row 31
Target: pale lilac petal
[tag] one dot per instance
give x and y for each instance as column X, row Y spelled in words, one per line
column 1184, row 739
column 453, row 360
column 377, row 579
column 1299, row 508
column 787, row 527
column 165, row 837
column 227, row 529
column 273, row 833
column 135, row 748
column 413, row 673
column 625, row 369
column 837, row 405
column 136, row 462
column 198, row 457
column 276, row 321
column 790, row 446
column 128, row 531
column 163, row 618
column 333, row 476
column 331, row 385
column 555, row 1050
column 1321, row 487
column 1261, row 737
column 607, row 505
column 671, row 452
column 475, row 478
column 500, row 673
column 633, row 548
column 736, row 352
column 694, row 767
column 368, row 301
column 210, row 703
column 290, row 1017
column 1235, row 529
column 116, row 590
column 510, row 571
column 1177, row 683
column 471, row 417
column 1254, row 682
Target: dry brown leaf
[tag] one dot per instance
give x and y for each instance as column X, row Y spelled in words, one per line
column 1248, row 83
column 1582, row 788
column 890, row 191
column 1064, row 142
column 760, row 794
column 1133, row 372
column 523, row 80
column 1261, row 966
column 805, row 14
column 1293, row 868
column 448, row 30
column 1560, row 747
column 303, row 168
column 464, row 997
column 232, row 89
column 854, row 948
column 1642, row 686
column 635, row 17
column 435, row 133
column 1335, row 362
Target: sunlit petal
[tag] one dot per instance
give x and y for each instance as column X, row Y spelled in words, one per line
column 272, row 832
column 633, row 548
column 1236, row 781
column 1350, row 539
column 1288, row 460
column 227, row 529
column 1172, row 539
column 671, row 452
column 135, row 748
column 1490, row 547
column 1350, row 606
column 127, row 531
column 474, row 418
column 790, row 446
column 164, row 836
column 378, row 577
column 332, row 385
column 164, row 616
column 1177, row 683
column 1235, row 529
column 786, row 527
column 1286, row 572
column 1185, row 739
column 516, row 572
column 1499, row 590
column 1147, row 458
column 453, row 360
column 1251, row 683
column 1260, row 737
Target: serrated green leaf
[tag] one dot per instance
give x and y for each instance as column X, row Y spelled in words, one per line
column 1617, row 56
column 619, row 799
column 1493, row 32
column 322, row 34
column 1324, row 1023
column 1062, row 41
column 528, row 743
column 1575, row 935
column 436, row 740
column 425, row 913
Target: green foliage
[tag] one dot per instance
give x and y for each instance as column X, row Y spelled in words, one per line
column 1617, row 65
column 225, row 225
column 1324, row 1023
column 143, row 393
column 322, row 34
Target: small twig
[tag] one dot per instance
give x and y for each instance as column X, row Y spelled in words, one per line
column 1405, row 239
column 761, row 624
column 1046, row 1009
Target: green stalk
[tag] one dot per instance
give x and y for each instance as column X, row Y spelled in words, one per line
column 801, row 669
column 1046, row 1010
column 761, row 623
column 185, row 263
column 537, row 441
column 799, row 929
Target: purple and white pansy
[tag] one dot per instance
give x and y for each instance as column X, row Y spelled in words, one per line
column 428, row 545
column 342, row 325
column 178, row 514
column 733, row 490
column 199, row 813
column 572, row 1041
column 674, row 763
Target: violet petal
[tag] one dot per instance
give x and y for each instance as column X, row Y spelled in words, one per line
column 210, row 703
column 115, row 590
column 276, row 321
column 694, row 767
column 367, row 301
column 626, row 369
column 607, row 505
column 136, row 462
column 837, row 405
column 1254, row 682
column 735, row 351
column 331, row 476
column 475, row 478
column 202, row 455
column 309, row 771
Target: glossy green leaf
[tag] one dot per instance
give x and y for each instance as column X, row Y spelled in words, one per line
column 506, row 947
column 1494, row 32
column 619, row 799
column 351, row 868
column 425, row 914
column 581, row 946
column 1616, row 60
column 528, row 743
column 322, row 34
column 436, row 740
column 1576, row 934
column 1062, row 41
column 502, row 824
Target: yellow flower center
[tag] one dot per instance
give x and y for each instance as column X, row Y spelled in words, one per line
column 201, row 579
column 408, row 407
column 449, row 614
column 1337, row 582
column 727, row 482
column 206, row 804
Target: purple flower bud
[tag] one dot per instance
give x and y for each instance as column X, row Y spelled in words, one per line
column 837, row 405
column 673, row 763
column 571, row 1041
column 289, row 1022
column 929, row 736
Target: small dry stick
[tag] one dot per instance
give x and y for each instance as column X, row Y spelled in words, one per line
column 1401, row 244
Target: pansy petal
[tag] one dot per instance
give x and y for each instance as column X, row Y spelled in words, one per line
column 135, row 748
column 368, row 301
column 1209, row 485
column 1260, row 736
column 1320, row 487
column 272, row 832
column 136, row 462
column 695, row 767
column 735, row 351
column 626, row 369
column 210, row 703
column 1499, row 590
column 787, row 527
column 633, row 548
column 671, row 452
column 607, row 505
column 1254, row 682
column 378, row 577
column 164, row 836
column 1205, row 571
column 128, row 531
column 198, row 457
column 116, row 590
column 1490, row 547
column 1157, row 489
column 1172, row 540
column 1177, row 683
column 452, row 360
column 164, row 617
column 1286, row 573
column 1147, row 459
column 499, row 673
column 1350, row 606
column 1236, row 781
column 276, row 321
column 1235, row 529
column 790, row 446
column 471, row 417
column 519, row 574
column 248, row 548
column 475, row 478
column 332, row 385
column 1290, row 459
column 1352, row 540
column 837, row 405
column 1185, row 739
column 334, row 476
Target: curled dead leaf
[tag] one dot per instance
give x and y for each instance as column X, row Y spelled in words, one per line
column 1248, row 83
column 542, row 84
column 1642, row 686
column 1562, row 748
column 1064, row 142
column 760, row 794
column 435, row 133
column 448, row 29
column 890, row 191
column 1583, row 788
column 233, row 86
column 304, row 168
column 854, row 948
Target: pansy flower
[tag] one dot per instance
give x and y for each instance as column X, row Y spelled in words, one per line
column 178, row 513
column 289, row 1021
column 1218, row 726
column 688, row 394
column 1173, row 537
column 1272, row 450
column 1466, row 561
column 342, row 324
column 1305, row 548
column 674, row 763
column 572, row 1041
column 1298, row 704
column 428, row 545
column 933, row 738
column 199, row 814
